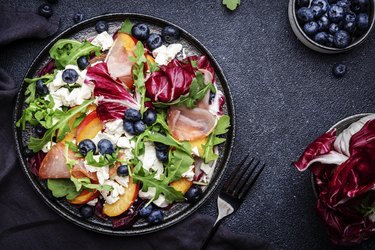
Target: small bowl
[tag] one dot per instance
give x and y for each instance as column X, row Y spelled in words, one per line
column 306, row 40
column 339, row 126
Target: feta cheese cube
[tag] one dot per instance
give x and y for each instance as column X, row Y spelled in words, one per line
column 103, row 40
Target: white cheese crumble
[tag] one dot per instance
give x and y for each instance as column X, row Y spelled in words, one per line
column 208, row 170
column 163, row 55
column 103, row 135
column 48, row 146
column 149, row 160
column 195, row 151
column 124, row 142
column 103, row 40
column 115, row 127
column 160, row 201
column 92, row 202
column 189, row 174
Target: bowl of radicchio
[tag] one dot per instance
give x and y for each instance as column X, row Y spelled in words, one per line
column 124, row 124
column 342, row 163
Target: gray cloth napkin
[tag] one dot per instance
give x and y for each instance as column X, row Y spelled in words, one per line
column 27, row 223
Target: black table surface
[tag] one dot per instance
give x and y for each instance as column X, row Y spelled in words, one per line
column 285, row 96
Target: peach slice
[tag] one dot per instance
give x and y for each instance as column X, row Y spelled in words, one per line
column 84, row 197
column 181, row 185
column 128, row 41
column 89, row 127
column 125, row 201
column 198, row 143
column 151, row 60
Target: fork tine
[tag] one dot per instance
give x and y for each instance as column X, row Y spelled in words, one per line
column 249, row 185
column 231, row 178
column 242, row 182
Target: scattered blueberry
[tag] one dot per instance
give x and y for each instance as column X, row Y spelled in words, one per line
column 317, row 11
column 350, row 27
column 362, row 21
column 123, row 170
column 101, row 26
column 193, row 194
column 40, row 130
column 70, row 76
column 170, row 34
column 146, row 211
column 141, row 31
column 45, row 10
column 162, row 155
column 129, row 127
column 339, row 70
column 132, row 115
column 342, row 39
column 303, row 3
column 139, row 127
column 86, row 146
column 333, row 28
column 28, row 152
column 350, row 17
column 321, row 38
column 82, row 62
column 161, row 147
column 212, row 97
column 324, row 23
column 156, row 216
column 78, row 17
column 305, row 14
column 311, row 28
column 154, row 41
column 336, row 13
column 86, row 211
column 41, row 88
column 149, row 117
column 105, row 147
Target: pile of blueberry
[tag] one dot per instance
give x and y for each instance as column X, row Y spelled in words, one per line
column 133, row 122
column 151, row 214
column 333, row 23
column 104, row 147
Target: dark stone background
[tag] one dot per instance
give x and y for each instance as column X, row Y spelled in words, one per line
column 285, row 96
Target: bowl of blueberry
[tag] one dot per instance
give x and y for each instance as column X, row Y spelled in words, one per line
column 331, row 26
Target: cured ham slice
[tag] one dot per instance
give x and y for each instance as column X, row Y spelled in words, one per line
column 190, row 124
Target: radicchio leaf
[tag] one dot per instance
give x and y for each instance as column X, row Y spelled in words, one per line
column 128, row 219
column 47, row 69
column 113, row 98
column 35, row 162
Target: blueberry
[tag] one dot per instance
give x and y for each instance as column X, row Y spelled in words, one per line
column 141, row 31
column 336, row 13
column 362, row 21
column 28, row 152
column 345, row 4
column 156, row 216
column 349, row 27
column 333, row 28
column 212, row 97
column 40, row 130
column 305, row 14
column 86, row 146
column 154, row 41
column 350, row 17
column 162, row 155
column 149, row 117
column 321, row 38
column 303, row 3
column 129, row 127
column 45, row 10
column 146, row 211
column 123, row 170
column 193, row 194
column 41, row 88
column 317, row 11
column 324, row 23
column 322, row 3
column 82, row 62
column 132, row 115
column 70, row 76
column 86, row 211
column 105, row 147
column 139, row 127
column 78, row 17
column 101, row 26
column 339, row 70
column 161, row 147
column 342, row 39
column 311, row 28
column 170, row 34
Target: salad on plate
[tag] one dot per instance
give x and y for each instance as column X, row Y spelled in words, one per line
column 125, row 124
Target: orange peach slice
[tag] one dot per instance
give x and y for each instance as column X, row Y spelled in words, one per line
column 181, row 185
column 89, row 127
column 84, row 197
column 198, row 143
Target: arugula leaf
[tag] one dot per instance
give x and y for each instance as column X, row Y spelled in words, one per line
column 106, row 160
column 179, row 163
column 85, row 182
column 62, row 188
column 126, row 27
column 61, row 127
column 170, row 141
column 221, row 128
column 231, row 4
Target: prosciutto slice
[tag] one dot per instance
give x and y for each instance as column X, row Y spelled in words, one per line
column 190, row 124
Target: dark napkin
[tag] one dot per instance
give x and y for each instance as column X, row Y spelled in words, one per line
column 27, row 223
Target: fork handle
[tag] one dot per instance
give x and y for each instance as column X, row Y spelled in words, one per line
column 210, row 234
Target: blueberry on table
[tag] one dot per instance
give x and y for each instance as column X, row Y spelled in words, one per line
column 162, row 155
column 70, row 76
column 321, row 38
column 317, row 11
column 161, row 147
column 132, row 115
column 45, row 10
column 129, row 127
column 78, row 17
column 156, row 216
column 339, row 70
column 342, row 39
column 105, row 146
column 149, row 117
column 40, row 130
column 82, row 62
column 311, row 28
column 28, row 152
column 324, row 23
column 141, row 31
column 86, row 211
column 146, row 211
column 193, row 194
column 123, row 170
column 333, row 28
column 101, row 26
column 170, row 34
column 336, row 13
column 362, row 21
column 322, row 3
column 154, row 41
column 139, row 127
column 41, row 88
column 303, row 3
column 86, row 146
column 305, row 14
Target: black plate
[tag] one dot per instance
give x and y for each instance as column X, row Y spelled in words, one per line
column 178, row 211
